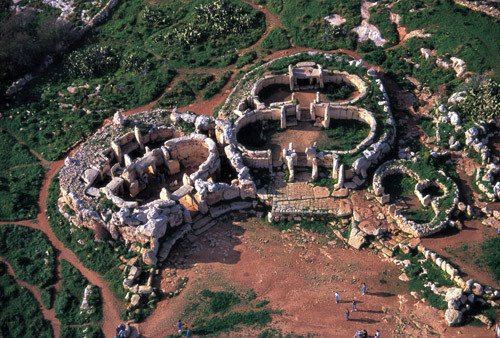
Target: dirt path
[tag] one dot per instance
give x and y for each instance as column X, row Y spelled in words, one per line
column 298, row 272
column 111, row 306
column 272, row 22
column 48, row 314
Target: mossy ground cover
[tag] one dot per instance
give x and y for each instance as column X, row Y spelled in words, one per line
column 21, row 176
column 101, row 257
column 276, row 40
column 455, row 30
column 124, row 63
column 418, row 278
column 32, row 257
column 305, row 22
column 216, row 312
column 20, row 314
column 69, row 299
column 491, row 256
column 343, row 135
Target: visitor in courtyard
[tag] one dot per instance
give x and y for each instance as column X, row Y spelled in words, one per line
column 377, row 334
column 188, row 332
column 354, row 309
column 364, row 289
column 337, row 297
column 179, row 326
column 346, row 314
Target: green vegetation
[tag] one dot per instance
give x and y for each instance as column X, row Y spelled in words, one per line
column 30, row 254
column 456, row 31
column 26, row 36
column 179, row 95
column 246, row 58
column 100, row 256
column 491, row 255
column 380, row 17
column 335, row 92
column 418, row 279
column 20, row 179
column 482, row 100
column 70, row 296
column 343, row 135
column 428, row 126
column 198, row 81
column 276, row 40
column 258, row 135
column 305, row 22
column 127, row 62
column 215, row 312
column 216, row 86
column 20, row 314
column 319, row 227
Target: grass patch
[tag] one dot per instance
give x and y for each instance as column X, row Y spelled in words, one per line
column 216, row 86
column 428, row 126
column 216, row 312
column 276, row 40
column 69, row 298
column 21, row 177
column 319, row 227
column 343, row 135
column 456, row 30
column 418, row 279
column 304, row 20
column 491, row 255
column 246, row 59
column 20, row 314
column 102, row 256
column 30, row 254
column 179, row 95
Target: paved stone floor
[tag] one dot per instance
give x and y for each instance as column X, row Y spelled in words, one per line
column 304, row 197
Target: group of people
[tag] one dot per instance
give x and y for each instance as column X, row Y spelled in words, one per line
column 347, row 313
column 181, row 330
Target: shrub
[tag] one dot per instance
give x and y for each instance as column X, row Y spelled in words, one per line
column 20, row 314
column 101, row 256
column 70, row 296
column 491, row 256
column 482, row 100
column 30, row 254
column 92, row 61
column 20, row 180
column 246, row 58
column 276, row 40
column 198, row 81
column 215, row 87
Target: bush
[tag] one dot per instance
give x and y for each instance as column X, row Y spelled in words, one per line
column 178, row 96
column 30, row 254
column 198, row 81
column 215, row 87
column 21, row 177
column 20, row 314
column 276, row 40
column 246, row 58
column 70, row 296
column 491, row 256
column 101, row 256
column 304, row 20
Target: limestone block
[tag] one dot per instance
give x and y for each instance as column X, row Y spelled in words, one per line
column 173, row 167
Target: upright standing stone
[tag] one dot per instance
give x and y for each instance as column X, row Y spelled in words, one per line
column 335, row 166
column 283, row 117
column 117, row 150
column 138, row 137
column 341, row 178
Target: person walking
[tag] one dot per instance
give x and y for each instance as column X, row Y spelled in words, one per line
column 377, row 334
column 188, row 332
column 354, row 309
column 346, row 314
column 364, row 289
column 179, row 327
column 337, row 297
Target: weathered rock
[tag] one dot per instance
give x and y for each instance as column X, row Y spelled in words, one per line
column 453, row 317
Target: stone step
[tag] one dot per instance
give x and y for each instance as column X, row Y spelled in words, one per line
column 291, row 121
column 205, row 228
column 168, row 244
column 201, row 222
